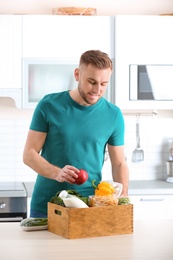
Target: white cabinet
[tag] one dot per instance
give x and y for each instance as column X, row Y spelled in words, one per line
column 46, row 36
column 10, row 51
column 152, row 206
column 42, row 37
column 141, row 40
column 52, row 46
column 10, row 57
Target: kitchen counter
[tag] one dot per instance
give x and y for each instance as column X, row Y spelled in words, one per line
column 150, row 187
column 142, row 187
column 29, row 188
column 152, row 239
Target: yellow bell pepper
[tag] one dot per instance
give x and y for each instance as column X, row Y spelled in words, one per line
column 103, row 189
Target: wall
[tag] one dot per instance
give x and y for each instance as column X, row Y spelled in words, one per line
column 155, row 135
column 14, row 125
column 109, row 7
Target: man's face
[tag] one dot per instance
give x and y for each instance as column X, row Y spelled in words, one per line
column 92, row 83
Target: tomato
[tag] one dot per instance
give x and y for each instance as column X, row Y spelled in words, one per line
column 82, row 177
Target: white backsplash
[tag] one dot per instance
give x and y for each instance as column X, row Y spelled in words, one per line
column 155, row 135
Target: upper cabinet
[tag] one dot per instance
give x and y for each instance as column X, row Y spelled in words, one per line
column 48, row 39
column 68, row 37
column 137, row 44
column 10, row 57
column 52, row 46
column 10, row 51
column 144, row 41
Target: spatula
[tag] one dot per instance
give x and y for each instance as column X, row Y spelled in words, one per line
column 138, row 153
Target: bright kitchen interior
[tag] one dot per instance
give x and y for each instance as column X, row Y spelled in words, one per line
column 148, row 43
column 155, row 128
column 126, row 44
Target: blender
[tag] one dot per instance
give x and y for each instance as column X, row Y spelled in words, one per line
column 169, row 165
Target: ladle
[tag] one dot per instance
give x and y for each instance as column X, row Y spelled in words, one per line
column 138, row 153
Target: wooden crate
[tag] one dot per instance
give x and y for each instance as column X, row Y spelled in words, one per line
column 90, row 222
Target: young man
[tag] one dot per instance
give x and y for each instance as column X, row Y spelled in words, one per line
column 70, row 130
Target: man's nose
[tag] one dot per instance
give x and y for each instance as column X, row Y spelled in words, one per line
column 97, row 88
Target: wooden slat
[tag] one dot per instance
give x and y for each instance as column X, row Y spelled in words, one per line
column 90, row 222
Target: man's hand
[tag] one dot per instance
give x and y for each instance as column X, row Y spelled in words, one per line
column 67, row 174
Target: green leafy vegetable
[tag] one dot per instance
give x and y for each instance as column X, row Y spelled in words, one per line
column 57, row 200
column 123, row 200
column 32, row 222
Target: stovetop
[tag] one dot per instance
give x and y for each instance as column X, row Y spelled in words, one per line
column 12, row 189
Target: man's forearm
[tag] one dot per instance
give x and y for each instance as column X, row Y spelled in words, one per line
column 121, row 174
column 40, row 165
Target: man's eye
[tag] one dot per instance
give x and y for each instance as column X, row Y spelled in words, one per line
column 92, row 82
column 104, row 84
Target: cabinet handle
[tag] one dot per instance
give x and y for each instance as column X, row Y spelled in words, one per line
column 156, row 199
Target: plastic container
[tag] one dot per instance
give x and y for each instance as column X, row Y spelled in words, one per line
column 71, row 201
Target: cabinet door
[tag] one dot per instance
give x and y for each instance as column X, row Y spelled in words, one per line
column 141, row 40
column 10, row 51
column 68, row 37
column 152, row 206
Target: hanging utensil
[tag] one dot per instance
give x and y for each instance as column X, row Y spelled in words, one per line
column 138, row 153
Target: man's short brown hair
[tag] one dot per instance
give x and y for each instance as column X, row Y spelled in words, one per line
column 96, row 58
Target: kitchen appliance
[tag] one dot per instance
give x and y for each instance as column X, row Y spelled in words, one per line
column 13, row 201
column 45, row 76
column 151, row 82
column 41, row 77
column 169, row 171
column 169, row 163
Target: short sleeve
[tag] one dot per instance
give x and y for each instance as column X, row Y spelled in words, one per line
column 117, row 137
column 39, row 122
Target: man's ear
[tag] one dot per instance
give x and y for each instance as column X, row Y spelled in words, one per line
column 76, row 74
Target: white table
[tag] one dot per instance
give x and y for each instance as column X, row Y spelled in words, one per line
column 151, row 240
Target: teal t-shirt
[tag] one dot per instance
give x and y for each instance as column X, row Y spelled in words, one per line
column 76, row 135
